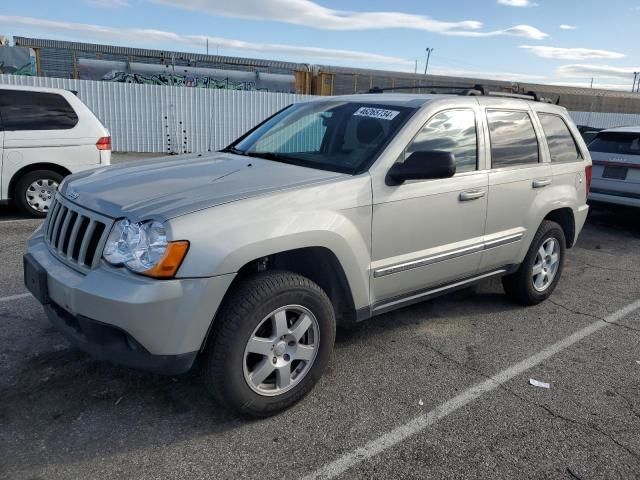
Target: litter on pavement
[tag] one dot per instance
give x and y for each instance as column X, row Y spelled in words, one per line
column 537, row 383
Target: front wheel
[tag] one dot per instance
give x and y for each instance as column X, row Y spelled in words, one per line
column 270, row 344
column 34, row 192
column 537, row 277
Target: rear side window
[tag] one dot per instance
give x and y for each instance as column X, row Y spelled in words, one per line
column 513, row 139
column 25, row 110
column 620, row 143
column 562, row 146
column 450, row 131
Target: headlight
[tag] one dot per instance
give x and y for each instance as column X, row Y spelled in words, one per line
column 143, row 248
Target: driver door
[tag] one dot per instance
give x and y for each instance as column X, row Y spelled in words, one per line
column 430, row 232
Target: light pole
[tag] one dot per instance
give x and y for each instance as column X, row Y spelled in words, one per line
column 426, row 65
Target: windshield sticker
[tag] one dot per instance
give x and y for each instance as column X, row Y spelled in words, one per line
column 379, row 113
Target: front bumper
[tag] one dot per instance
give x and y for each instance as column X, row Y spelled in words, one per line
column 112, row 344
column 126, row 318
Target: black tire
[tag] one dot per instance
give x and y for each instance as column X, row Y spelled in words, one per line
column 243, row 311
column 519, row 286
column 23, row 183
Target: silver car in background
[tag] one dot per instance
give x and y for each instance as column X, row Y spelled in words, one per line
column 616, row 166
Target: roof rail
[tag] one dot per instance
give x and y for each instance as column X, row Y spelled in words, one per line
column 413, row 87
column 475, row 90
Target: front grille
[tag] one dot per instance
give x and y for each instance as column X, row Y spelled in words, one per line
column 75, row 235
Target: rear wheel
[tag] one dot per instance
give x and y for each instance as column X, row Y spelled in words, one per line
column 270, row 344
column 35, row 191
column 537, row 277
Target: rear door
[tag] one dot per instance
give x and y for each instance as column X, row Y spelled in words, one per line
column 616, row 164
column 517, row 181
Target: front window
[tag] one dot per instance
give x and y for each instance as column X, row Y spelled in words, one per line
column 330, row 135
column 450, row 131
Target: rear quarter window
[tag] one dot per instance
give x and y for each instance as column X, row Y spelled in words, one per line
column 26, row 110
column 562, row 145
column 621, row 143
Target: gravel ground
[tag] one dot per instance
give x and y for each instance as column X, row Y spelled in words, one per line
column 64, row 415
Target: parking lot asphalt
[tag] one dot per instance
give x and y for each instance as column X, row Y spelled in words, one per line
column 400, row 398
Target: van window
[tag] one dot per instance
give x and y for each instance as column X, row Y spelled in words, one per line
column 450, row 131
column 621, row 143
column 562, row 146
column 513, row 139
column 26, row 110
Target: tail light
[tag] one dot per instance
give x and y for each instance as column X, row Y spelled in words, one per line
column 587, row 176
column 104, row 143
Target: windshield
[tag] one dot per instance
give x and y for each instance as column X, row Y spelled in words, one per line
column 331, row 135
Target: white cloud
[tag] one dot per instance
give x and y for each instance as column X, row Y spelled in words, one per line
column 587, row 84
column 597, row 71
column 483, row 74
column 559, row 53
column 564, row 26
column 517, row 3
column 517, row 31
column 310, row 14
column 157, row 38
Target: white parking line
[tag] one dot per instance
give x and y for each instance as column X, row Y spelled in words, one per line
column 14, row 297
column 421, row 422
column 19, row 220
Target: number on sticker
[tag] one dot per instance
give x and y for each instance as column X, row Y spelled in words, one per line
column 379, row 113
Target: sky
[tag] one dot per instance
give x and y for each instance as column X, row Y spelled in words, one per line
column 567, row 42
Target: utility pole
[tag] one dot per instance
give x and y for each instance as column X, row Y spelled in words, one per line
column 635, row 77
column 591, row 83
column 426, row 65
column 415, row 71
column 207, row 45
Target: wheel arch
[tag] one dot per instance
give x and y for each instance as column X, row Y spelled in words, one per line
column 566, row 219
column 31, row 168
column 319, row 264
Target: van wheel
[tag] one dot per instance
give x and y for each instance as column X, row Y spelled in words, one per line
column 270, row 344
column 539, row 273
column 35, row 191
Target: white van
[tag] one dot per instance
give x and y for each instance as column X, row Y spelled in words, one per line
column 45, row 135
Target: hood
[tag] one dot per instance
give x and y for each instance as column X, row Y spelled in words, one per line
column 172, row 186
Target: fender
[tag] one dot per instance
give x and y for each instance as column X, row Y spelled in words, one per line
column 225, row 238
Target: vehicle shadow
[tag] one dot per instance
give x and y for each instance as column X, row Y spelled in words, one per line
column 9, row 212
column 614, row 217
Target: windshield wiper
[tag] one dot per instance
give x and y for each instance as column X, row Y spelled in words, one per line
column 277, row 157
column 235, row 150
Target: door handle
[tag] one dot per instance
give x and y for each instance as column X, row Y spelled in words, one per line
column 541, row 182
column 471, row 195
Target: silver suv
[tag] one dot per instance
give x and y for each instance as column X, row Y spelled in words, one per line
column 329, row 212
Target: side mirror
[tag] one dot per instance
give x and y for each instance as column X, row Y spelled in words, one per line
column 423, row 165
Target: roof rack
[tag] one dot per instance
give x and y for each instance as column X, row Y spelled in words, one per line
column 413, row 87
column 475, row 90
